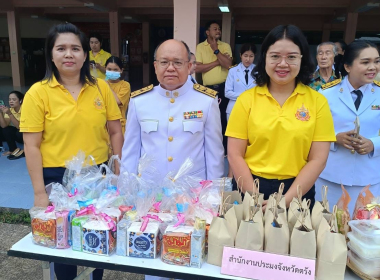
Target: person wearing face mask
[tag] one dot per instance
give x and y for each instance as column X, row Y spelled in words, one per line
column 280, row 130
column 121, row 89
column 98, row 56
column 239, row 77
column 354, row 159
column 10, row 125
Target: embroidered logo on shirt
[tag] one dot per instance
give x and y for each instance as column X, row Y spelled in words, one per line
column 303, row 114
column 375, row 107
column 98, row 103
column 193, row 115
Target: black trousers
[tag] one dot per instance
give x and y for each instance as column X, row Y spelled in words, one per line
column 65, row 271
column 270, row 186
column 222, row 108
column 12, row 135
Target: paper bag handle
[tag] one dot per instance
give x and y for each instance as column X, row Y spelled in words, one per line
column 324, row 196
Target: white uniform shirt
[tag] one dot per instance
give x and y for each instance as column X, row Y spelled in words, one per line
column 342, row 166
column 156, row 125
column 236, row 84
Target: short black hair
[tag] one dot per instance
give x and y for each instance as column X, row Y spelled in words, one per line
column 51, row 69
column 208, row 24
column 294, row 34
column 97, row 36
column 19, row 95
column 116, row 60
column 248, row 47
column 353, row 51
column 343, row 44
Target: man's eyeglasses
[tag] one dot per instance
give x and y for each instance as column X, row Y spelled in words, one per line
column 177, row 64
column 291, row 59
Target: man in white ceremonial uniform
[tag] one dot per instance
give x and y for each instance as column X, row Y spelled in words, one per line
column 174, row 120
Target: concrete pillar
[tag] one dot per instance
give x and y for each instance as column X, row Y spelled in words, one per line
column 351, row 25
column 326, row 32
column 146, row 55
column 17, row 62
column 115, row 33
column 226, row 28
column 186, row 22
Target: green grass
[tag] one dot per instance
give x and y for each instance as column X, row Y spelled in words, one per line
column 12, row 218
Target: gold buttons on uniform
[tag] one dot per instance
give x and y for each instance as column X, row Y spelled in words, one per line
column 170, row 159
column 172, row 100
column 171, row 119
column 176, row 94
column 170, row 138
column 167, row 93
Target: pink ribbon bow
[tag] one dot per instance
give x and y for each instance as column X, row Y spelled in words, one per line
column 146, row 221
column 124, row 208
column 110, row 223
column 181, row 219
column 50, row 208
column 75, row 193
column 157, row 206
column 87, row 210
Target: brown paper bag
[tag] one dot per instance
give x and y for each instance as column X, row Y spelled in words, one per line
column 321, row 209
column 280, row 202
column 222, row 233
column 250, row 235
column 302, row 242
column 276, row 232
column 332, row 252
column 234, row 200
column 295, row 209
column 249, row 198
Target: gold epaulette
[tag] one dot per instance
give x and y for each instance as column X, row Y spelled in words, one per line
column 141, row 91
column 331, row 84
column 376, row 83
column 205, row 90
column 233, row 66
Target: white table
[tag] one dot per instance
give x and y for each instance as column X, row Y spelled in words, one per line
column 26, row 249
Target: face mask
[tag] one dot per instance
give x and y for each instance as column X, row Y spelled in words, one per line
column 111, row 75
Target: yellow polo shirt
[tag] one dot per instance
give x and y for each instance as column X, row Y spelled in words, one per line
column 69, row 125
column 205, row 55
column 17, row 115
column 101, row 58
column 279, row 138
column 123, row 92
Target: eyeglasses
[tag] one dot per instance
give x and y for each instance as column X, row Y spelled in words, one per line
column 178, row 64
column 291, row 59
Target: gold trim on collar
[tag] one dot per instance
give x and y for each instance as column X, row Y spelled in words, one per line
column 377, row 83
column 141, row 91
column 331, row 84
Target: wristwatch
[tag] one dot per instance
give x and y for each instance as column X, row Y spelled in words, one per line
column 216, row 51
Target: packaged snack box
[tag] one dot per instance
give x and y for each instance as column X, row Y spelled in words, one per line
column 70, row 227
column 121, row 241
column 77, row 224
column 98, row 238
column 198, row 243
column 44, row 232
column 62, row 229
column 143, row 244
column 176, row 245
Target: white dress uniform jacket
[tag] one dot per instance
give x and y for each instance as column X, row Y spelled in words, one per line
column 171, row 126
column 343, row 166
column 236, row 85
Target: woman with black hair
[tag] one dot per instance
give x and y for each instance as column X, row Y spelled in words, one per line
column 66, row 112
column 280, row 130
column 10, row 125
column 354, row 159
column 121, row 89
column 98, row 56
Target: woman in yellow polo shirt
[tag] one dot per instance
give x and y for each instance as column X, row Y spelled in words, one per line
column 98, row 56
column 66, row 112
column 10, row 125
column 120, row 88
column 280, row 130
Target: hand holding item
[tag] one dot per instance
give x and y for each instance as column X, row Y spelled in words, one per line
column 346, row 139
column 5, row 110
column 363, row 146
